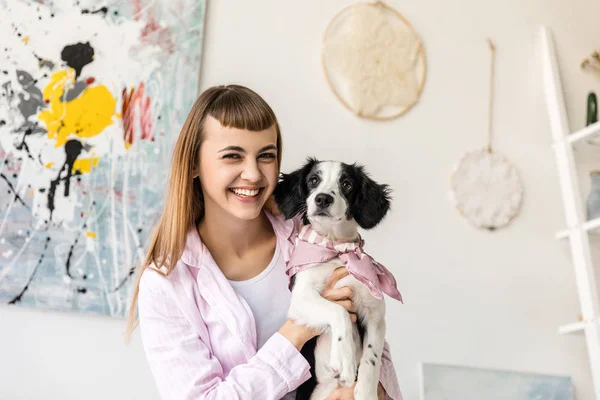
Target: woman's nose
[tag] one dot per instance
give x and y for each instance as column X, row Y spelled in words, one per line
column 251, row 172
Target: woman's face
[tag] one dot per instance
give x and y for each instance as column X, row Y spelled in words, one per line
column 238, row 169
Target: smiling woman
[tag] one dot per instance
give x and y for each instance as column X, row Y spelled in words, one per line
column 213, row 292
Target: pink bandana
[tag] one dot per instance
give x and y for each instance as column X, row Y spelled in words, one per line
column 312, row 248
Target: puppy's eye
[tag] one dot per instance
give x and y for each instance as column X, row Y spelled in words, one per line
column 347, row 185
column 313, row 182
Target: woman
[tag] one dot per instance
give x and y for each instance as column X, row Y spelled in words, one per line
column 213, row 294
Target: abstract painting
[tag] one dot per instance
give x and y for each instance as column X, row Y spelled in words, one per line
column 446, row 382
column 93, row 96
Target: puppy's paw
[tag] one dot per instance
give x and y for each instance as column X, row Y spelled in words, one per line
column 335, row 362
column 347, row 375
column 344, row 368
column 365, row 392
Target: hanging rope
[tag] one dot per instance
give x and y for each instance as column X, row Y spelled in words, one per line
column 491, row 107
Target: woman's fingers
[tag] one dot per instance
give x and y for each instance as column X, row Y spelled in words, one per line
column 342, row 297
column 348, row 305
column 343, row 293
column 336, row 275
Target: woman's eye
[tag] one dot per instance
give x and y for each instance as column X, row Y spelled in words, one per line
column 268, row 156
column 347, row 185
column 232, row 155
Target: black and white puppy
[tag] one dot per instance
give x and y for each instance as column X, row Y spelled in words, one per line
column 336, row 199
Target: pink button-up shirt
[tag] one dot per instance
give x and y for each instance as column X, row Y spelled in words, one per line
column 200, row 336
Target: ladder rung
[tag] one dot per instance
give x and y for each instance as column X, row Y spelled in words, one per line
column 586, row 226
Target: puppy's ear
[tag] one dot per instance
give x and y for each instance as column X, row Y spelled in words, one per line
column 372, row 200
column 291, row 192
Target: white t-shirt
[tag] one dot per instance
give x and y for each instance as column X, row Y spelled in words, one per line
column 268, row 297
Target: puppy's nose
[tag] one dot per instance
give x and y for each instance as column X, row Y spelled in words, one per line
column 323, row 200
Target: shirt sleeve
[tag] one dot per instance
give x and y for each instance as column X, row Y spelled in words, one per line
column 184, row 368
column 387, row 375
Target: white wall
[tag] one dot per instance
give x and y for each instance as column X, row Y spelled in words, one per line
column 472, row 298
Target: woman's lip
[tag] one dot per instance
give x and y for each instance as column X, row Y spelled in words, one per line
column 247, row 187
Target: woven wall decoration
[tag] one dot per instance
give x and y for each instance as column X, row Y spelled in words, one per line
column 374, row 61
column 485, row 187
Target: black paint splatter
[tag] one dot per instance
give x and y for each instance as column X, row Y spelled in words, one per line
column 73, row 149
column 70, row 255
column 12, row 189
column 120, row 285
column 18, row 297
column 77, row 56
column 43, row 62
column 28, row 129
column 103, row 10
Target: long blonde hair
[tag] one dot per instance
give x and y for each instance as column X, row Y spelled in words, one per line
column 233, row 106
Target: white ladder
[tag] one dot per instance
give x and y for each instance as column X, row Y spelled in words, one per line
column 578, row 227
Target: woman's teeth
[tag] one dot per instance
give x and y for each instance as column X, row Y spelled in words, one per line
column 246, row 192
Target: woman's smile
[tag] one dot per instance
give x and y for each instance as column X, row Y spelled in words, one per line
column 246, row 194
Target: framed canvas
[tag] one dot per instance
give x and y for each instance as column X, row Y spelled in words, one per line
column 93, row 96
column 449, row 382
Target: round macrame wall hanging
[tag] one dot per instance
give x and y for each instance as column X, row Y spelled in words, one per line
column 486, row 188
column 374, row 61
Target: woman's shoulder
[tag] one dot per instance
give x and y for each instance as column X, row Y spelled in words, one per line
column 160, row 280
column 285, row 228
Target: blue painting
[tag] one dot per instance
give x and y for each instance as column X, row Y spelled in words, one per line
column 92, row 97
column 446, row 382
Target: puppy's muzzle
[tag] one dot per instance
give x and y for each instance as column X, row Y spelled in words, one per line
column 323, row 201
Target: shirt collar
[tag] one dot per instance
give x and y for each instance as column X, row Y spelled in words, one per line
column 194, row 252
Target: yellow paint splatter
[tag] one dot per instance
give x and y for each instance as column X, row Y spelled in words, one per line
column 50, row 164
column 26, row 39
column 91, row 234
column 84, row 165
column 85, row 116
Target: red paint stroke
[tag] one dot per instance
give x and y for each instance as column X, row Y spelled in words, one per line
column 15, row 166
column 89, row 81
column 152, row 33
column 118, row 193
column 136, row 106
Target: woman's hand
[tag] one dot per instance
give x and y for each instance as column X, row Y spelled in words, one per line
column 347, row 393
column 341, row 296
column 343, row 393
column 298, row 335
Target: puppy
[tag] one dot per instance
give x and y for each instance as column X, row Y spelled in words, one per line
column 333, row 200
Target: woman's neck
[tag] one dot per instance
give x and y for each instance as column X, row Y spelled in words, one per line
column 222, row 232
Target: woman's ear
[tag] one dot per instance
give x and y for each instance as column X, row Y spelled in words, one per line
column 196, row 173
column 291, row 191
